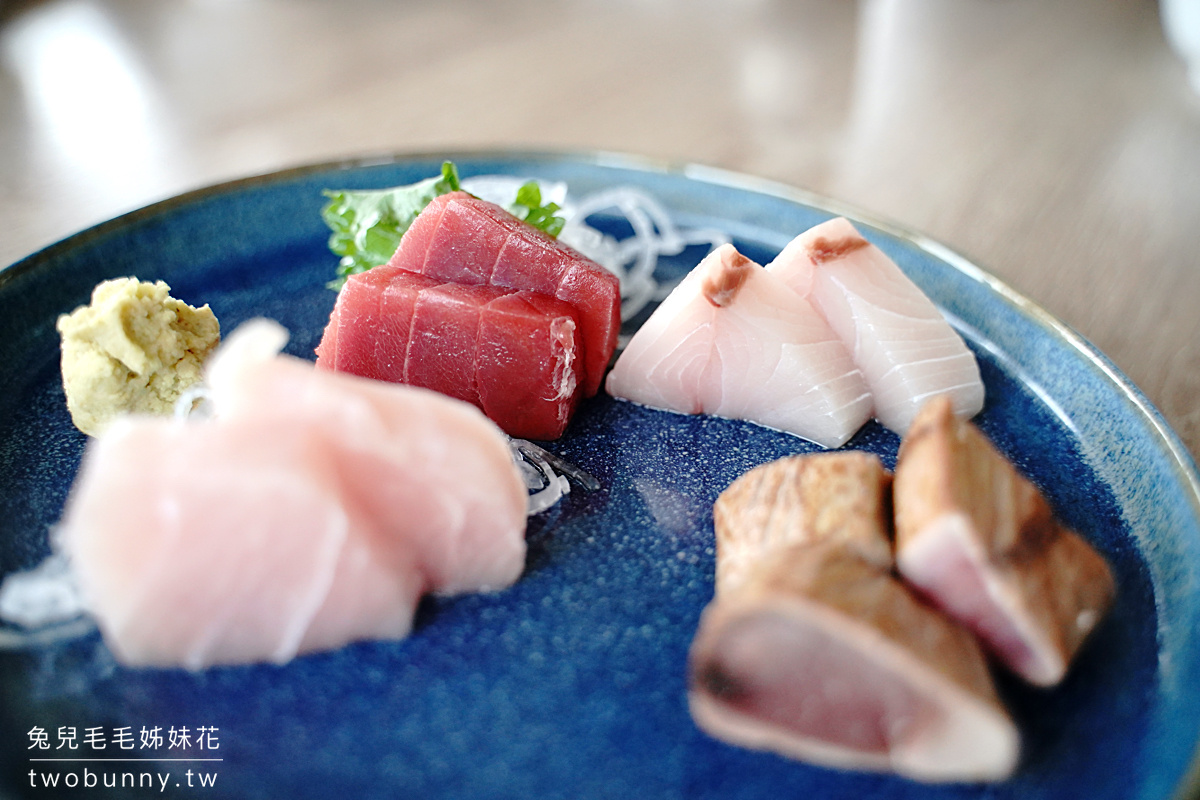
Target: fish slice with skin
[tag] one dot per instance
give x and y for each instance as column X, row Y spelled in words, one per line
column 981, row 541
column 732, row 340
column 813, row 649
column 896, row 335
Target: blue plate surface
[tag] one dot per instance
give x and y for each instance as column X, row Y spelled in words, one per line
column 571, row 683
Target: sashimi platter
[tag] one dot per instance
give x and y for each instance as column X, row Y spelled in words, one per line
column 514, row 475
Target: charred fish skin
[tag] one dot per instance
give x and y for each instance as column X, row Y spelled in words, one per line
column 982, row 542
column 843, row 497
column 815, row 650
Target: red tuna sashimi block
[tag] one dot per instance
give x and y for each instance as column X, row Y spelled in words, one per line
column 463, row 239
column 514, row 355
column 360, row 305
column 517, row 381
column 445, row 332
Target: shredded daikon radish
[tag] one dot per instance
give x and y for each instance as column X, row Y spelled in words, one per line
column 538, row 469
column 45, row 602
column 568, row 469
column 556, row 487
column 50, row 634
column 632, row 259
column 547, row 486
column 195, row 403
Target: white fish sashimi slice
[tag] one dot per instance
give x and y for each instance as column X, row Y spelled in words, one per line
column 464, row 513
column 663, row 362
column 311, row 510
column 150, row 541
column 351, row 611
column 733, row 341
column 897, row 336
column 434, row 473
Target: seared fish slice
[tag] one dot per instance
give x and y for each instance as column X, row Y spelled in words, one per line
column 815, row 650
column 839, row 497
column 982, row 542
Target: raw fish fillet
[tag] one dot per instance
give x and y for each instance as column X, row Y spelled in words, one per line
column 982, row 542
column 516, row 355
column 461, row 239
column 904, row 346
column 813, row 649
column 359, row 315
column 732, row 340
column 434, row 473
column 314, row 510
column 228, row 550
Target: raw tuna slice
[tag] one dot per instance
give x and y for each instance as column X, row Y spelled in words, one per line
column 897, row 337
column 395, row 328
column 461, row 239
column 813, row 649
column 542, row 334
column 360, row 307
column 376, row 322
column 444, row 340
column 312, row 511
column 732, row 340
column 982, row 542
column 516, row 355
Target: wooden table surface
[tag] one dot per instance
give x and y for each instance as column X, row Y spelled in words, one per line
column 1056, row 144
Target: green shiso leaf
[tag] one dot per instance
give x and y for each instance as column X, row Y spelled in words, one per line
column 367, row 225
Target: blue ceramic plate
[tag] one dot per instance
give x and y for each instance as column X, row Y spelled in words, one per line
column 571, row 683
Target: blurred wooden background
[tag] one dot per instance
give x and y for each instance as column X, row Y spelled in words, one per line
column 1057, row 144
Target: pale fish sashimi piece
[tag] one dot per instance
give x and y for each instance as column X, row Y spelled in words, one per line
column 312, row 510
column 434, row 473
column 896, row 335
column 235, row 548
column 733, row 341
